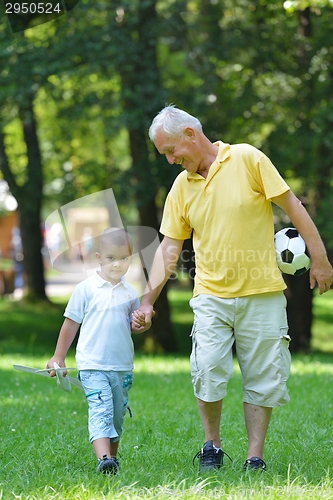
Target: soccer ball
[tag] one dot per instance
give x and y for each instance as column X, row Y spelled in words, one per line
column 291, row 252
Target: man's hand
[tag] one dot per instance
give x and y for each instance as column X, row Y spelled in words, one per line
column 321, row 273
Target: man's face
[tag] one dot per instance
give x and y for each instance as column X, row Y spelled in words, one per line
column 114, row 261
column 180, row 149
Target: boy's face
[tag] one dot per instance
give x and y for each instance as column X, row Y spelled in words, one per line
column 114, row 261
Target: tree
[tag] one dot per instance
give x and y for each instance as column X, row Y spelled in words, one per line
column 265, row 76
column 29, row 197
column 141, row 94
column 136, row 110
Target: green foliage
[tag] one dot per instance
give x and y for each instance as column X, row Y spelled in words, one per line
column 246, row 69
column 257, row 72
column 26, row 327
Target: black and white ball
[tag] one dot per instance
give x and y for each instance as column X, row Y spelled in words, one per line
column 291, row 252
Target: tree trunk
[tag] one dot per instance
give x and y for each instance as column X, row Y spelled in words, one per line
column 161, row 336
column 162, row 333
column 299, row 311
column 140, row 88
column 299, row 295
column 29, row 198
column 30, row 201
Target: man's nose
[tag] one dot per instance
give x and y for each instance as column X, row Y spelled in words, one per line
column 171, row 159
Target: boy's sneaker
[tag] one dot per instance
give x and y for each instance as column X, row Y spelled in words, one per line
column 254, row 463
column 210, row 457
column 108, row 465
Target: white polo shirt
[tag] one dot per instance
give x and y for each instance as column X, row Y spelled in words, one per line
column 104, row 312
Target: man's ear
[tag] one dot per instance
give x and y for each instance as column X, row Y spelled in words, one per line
column 189, row 132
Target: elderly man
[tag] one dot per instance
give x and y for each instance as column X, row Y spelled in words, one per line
column 224, row 197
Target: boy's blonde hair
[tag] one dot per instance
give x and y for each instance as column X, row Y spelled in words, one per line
column 115, row 236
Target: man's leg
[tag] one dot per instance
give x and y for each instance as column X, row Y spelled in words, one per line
column 211, row 454
column 257, row 420
column 210, row 414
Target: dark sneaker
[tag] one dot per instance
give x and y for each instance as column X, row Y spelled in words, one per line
column 254, row 463
column 210, row 457
column 107, row 465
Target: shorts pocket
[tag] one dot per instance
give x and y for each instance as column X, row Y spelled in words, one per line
column 193, row 357
column 285, row 353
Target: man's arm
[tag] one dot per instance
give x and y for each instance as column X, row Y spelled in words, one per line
column 321, row 271
column 165, row 261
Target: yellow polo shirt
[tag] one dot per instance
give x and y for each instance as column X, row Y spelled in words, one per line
column 231, row 217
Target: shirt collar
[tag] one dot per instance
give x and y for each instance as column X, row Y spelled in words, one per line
column 102, row 282
column 222, row 155
column 224, row 151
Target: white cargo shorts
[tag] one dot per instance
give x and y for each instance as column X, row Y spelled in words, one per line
column 258, row 326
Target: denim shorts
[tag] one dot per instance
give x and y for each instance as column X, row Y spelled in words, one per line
column 257, row 324
column 107, row 396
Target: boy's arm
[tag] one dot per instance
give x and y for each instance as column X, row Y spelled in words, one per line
column 66, row 336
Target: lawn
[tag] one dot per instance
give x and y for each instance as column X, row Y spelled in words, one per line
column 45, row 453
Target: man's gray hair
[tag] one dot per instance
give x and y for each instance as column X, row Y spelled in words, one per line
column 173, row 121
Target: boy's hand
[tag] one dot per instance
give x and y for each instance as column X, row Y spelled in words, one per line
column 147, row 310
column 60, row 362
column 138, row 319
column 139, row 324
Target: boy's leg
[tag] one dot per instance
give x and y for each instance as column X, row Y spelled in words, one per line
column 99, row 397
column 121, row 382
column 114, row 449
column 103, row 446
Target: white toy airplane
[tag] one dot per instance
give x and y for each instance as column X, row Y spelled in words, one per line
column 63, row 382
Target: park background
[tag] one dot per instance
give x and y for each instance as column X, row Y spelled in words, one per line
column 77, row 97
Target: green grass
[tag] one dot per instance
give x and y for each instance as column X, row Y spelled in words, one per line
column 45, row 452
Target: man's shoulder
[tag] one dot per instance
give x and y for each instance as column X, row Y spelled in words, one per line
column 178, row 185
column 245, row 149
column 180, row 179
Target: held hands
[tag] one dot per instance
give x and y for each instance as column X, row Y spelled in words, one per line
column 141, row 321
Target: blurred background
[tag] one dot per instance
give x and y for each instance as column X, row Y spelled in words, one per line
column 78, row 94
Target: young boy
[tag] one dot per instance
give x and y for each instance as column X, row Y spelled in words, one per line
column 103, row 305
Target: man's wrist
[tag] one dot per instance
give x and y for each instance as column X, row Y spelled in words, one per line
column 147, row 300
